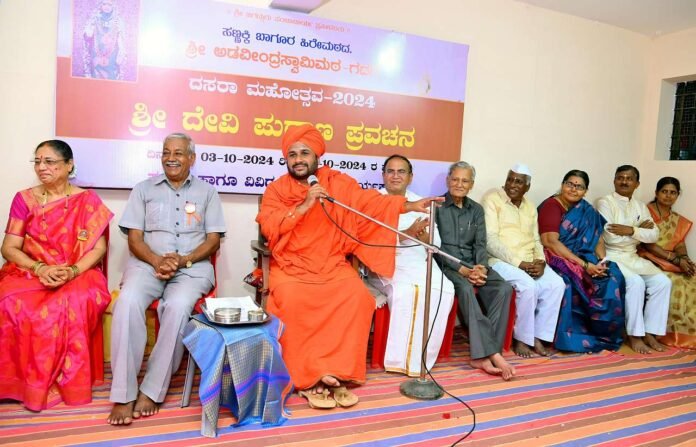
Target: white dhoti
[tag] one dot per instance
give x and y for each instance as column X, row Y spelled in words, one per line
column 647, row 294
column 405, row 293
column 406, row 300
column 537, row 302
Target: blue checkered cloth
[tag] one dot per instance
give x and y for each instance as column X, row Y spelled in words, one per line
column 241, row 368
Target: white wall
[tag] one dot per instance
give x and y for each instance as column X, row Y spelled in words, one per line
column 551, row 90
column 672, row 57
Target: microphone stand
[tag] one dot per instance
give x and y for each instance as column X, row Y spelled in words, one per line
column 421, row 388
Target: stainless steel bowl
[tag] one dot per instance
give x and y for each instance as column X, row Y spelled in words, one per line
column 227, row 315
column 256, row 315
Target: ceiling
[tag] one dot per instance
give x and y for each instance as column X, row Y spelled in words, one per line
column 650, row 17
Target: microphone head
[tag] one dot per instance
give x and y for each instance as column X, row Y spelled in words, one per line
column 312, row 180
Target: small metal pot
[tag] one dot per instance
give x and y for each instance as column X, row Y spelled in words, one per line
column 256, row 315
column 228, row 315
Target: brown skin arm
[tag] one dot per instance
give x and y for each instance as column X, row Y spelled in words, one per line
column 164, row 268
column 418, row 229
column 659, row 251
column 12, row 251
column 50, row 276
column 203, row 251
column 551, row 241
column 687, row 265
column 167, row 265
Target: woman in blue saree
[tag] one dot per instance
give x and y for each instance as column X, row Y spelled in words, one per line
column 591, row 318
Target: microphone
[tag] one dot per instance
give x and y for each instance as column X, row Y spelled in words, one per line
column 313, row 180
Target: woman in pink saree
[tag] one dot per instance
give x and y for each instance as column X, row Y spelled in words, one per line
column 51, row 295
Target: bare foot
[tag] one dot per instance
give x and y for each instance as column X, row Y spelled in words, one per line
column 651, row 341
column 326, row 381
column 121, row 414
column 144, row 406
column 636, row 343
column 522, row 349
column 499, row 361
column 541, row 348
column 485, row 365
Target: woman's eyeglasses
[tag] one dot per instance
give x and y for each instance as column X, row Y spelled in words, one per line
column 576, row 186
column 50, row 162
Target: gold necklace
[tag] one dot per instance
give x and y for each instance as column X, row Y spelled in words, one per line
column 44, row 201
column 659, row 213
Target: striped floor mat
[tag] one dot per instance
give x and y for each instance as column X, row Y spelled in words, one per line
column 608, row 399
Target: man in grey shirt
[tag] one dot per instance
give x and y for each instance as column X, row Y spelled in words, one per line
column 174, row 223
column 462, row 229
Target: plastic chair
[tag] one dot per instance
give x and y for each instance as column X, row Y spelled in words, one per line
column 96, row 347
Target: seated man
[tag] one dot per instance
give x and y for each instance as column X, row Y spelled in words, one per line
column 647, row 289
column 405, row 290
column 174, row 223
column 462, row 229
column 326, row 308
column 517, row 255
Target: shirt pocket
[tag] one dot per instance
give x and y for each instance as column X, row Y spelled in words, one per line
column 155, row 217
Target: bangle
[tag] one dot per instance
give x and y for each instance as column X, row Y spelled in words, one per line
column 584, row 265
column 75, row 270
column 676, row 260
column 35, row 267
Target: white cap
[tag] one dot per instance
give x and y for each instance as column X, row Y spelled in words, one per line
column 520, row 168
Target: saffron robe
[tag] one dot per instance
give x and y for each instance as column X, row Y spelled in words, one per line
column 314, row 290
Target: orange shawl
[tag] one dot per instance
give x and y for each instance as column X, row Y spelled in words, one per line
column 309, row 248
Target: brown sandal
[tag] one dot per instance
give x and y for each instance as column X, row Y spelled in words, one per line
column 343, row 397
column 321, row 401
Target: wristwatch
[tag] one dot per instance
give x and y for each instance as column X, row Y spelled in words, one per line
column 189, row 264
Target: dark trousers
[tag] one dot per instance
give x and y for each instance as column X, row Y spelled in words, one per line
column 486, row 317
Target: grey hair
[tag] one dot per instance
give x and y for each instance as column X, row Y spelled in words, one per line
column 462, row 165
column 191, row 146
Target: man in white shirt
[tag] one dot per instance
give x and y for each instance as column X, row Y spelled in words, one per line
column 647, row 289
column 516, row 253
column 405, row 291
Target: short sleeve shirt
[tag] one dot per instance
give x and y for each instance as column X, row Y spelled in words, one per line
column 174, row 220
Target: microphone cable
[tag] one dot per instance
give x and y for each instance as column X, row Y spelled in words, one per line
column 337, row 225
column 427, row 370
column 423, row 353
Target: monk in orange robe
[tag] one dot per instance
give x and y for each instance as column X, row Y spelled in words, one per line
column 314, row 290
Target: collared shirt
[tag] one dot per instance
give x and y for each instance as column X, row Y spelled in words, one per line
column 512, row 232
column 174, row 220
column 618, row 209
column 463, row 232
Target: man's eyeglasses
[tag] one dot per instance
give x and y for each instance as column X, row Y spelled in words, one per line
column 577, row 186
column 50, row 162
column 399, row 172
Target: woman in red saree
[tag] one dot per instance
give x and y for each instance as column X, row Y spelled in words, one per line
column 51, row 296
column 669, row 253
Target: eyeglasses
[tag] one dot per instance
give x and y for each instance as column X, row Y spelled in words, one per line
column 577, row 186
column 399, row 172
column 50, row 162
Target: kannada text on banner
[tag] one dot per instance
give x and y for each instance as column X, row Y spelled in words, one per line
column 237, row 79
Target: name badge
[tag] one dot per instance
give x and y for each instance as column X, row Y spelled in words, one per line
column 190, row 208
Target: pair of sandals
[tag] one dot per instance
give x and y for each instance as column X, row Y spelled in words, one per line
column 342, row 397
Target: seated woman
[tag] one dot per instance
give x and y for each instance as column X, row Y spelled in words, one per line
column 669, row 253
column 51, row 296
column 592, row 313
